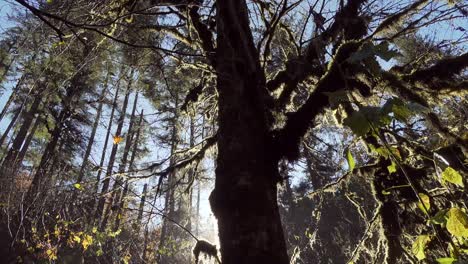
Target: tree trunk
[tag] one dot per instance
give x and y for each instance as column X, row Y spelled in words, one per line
column 102, row 212
column 12, row 97
column 245, row 196
column 9, row 164
column 131, row 168
column 106, row 141
column 10, row 126
column 169, row 208
column 93, row 132
column 30, row 137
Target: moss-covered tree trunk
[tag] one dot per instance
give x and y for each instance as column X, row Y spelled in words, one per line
column 245, row 196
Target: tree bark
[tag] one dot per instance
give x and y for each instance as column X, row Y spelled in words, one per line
column 245, row 196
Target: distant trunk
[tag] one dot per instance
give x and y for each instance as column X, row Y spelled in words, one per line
column 102, row 212
column 141, row 208
column 10, row 163
column 46, row 160
column 119, row 187
column 93, row 132
column 169, row 208
column 245, row 196
column 10, row 125
column 12, row 97
column 30, row 137
column 121, row 200
column 106, row 141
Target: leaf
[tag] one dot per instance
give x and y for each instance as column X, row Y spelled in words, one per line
column 87, row 241
column 457, row 222
column 76, row 238
column 426, row 201
column 392, row 168
column 358, row 123
column 77, row 186
column 385, row 192
column 350, row 159
column 451, row 175
column 117, row 139
column 440, row 218
column 446, row 260
column 420, row 245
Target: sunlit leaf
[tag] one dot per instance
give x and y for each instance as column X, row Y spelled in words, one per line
column 420, row 245
column 87, row 241
column 392, row 168
column 117, row 139
column 426, row 202
column 457, row 222
column 77, row 186
column 350, row 159
column 451, row 175
column 446, row 260
column 76, row 238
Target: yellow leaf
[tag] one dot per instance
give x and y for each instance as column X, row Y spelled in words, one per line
column 419, row 246
column 452, row 176
column 117, row 139
column 457, row 222
column 77, row 185
column 76, row 238
column 87, row 241
column 426, row 201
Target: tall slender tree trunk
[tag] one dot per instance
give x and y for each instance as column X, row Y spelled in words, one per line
column 9, row 164
column 244, row 199
column 169, row 204
column 106, row 141
column 89, row 147
column 28, row 141
column 11, row 98
column 131, row 168
column 102, row 212
column 10, row 125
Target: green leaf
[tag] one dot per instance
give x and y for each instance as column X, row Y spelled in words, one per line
column 385, row 192
column 77, row 186
column 358, row 123
column 426, row 200
column 451, row 175
column 440, row 218
column 420, row 245
column 457, row 222
column 446, row 260
column 351, row 162
column 392, row 168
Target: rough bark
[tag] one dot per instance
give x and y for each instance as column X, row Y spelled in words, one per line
column 245, row 196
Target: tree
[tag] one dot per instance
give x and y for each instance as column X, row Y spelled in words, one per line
column 272, row 87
